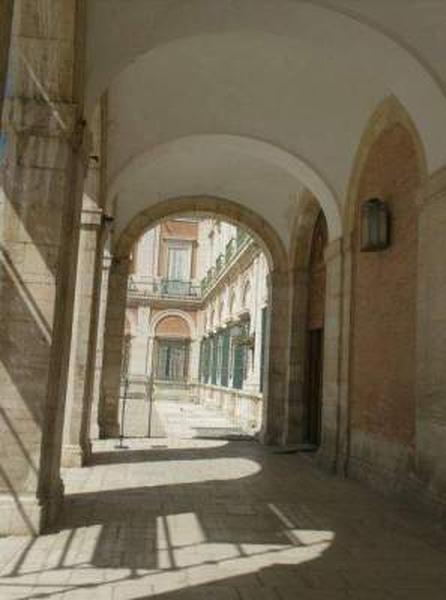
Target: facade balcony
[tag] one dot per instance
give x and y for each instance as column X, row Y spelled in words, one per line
column 234, row 248
column 160, row 290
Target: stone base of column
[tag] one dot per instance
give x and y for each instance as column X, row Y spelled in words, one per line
column 25, row 514
column 270, row 438
column 74, row 455
column 20, row 515
column 109, row 431
column 327, row 453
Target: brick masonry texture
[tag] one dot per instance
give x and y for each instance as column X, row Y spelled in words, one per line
column 384, row 296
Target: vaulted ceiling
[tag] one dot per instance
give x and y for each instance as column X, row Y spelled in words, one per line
column 255, row 99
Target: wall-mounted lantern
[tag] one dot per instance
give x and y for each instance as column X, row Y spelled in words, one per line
column 375, row 225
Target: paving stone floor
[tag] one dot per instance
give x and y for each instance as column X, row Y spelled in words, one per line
column 179, row 518
column 189, row 420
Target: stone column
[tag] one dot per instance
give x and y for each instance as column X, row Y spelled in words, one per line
column 113, row 347
column 431, row 341
column 104, row 266
column 252, row 383
column 278, row 333
column 295, row 406
column 344, row 383
column 76, row 446
column 40, row 202
column 329, row 448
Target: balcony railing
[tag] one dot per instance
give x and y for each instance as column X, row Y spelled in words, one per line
column 233, row 247
column 165, row 288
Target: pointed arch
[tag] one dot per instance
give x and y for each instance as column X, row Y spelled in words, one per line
column 389, row 112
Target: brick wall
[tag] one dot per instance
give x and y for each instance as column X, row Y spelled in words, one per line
column 384, row 297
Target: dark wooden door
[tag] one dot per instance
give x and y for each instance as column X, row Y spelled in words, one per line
column 314, row 385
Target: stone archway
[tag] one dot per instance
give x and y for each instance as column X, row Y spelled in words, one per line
column 275, row 384
column 306, row 221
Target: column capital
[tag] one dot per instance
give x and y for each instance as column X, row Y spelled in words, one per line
column 91, row 218
column 30, row 124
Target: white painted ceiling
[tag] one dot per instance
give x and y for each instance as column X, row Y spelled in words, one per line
column 253, row 99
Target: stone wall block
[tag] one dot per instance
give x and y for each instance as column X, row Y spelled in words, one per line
column 431, row 339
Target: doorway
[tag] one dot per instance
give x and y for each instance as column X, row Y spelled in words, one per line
column 314, row 385
column 315, row 334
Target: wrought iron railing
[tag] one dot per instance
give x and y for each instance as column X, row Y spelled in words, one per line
column 165, row 288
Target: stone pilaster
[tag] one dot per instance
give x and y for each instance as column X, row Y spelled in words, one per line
column 295, row 406
column 431, row 339
column 76, row 446
column 40, row 201
column 104, row 265
column 343, row 452
column 328, row 451
column 113, row 347
column 252, row 383
column 276, row 388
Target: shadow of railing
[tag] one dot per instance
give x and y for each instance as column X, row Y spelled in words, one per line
column 286, row 531
column 23, row 354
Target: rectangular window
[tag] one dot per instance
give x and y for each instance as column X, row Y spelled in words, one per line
column 179, row 268
column 179, row 262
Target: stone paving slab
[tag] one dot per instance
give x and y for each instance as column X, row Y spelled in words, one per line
column 179, row 518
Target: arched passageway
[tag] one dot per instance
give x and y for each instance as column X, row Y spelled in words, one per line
column 253, row 111
column 271, row 325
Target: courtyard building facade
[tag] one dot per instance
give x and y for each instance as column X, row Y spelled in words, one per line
column 196, row 318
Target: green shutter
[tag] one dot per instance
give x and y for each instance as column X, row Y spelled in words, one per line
column 240, row 358
column 201, row 363
column 225, row 358
column 237, row 373
column 208, row 360
column 214, row 360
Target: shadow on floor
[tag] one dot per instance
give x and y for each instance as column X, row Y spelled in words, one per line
column 286, row 531
column 160, row 451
